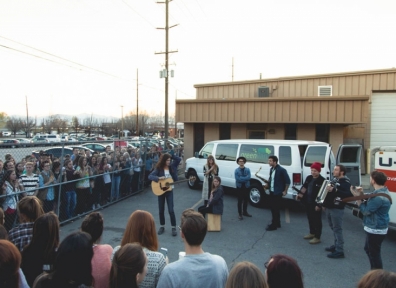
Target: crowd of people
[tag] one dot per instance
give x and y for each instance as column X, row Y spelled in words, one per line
column 80, row 260
column 75, row 184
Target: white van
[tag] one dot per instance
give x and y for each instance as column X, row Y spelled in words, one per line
column 296, row 156
column 49, row 137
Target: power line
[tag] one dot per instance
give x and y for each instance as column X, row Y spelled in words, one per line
column 130, row 7
column 59, row 57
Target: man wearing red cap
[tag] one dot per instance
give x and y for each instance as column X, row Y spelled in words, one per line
column 309, row 192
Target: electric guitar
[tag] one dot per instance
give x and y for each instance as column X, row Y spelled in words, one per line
column 165, row 185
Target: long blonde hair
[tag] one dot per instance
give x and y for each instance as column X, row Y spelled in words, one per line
column 214, row 164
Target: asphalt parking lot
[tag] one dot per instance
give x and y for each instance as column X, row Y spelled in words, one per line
column 248, row 240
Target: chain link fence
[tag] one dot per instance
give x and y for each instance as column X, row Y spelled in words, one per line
column 73, row 180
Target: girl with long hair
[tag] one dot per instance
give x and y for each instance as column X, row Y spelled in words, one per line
column 141, row 229
column 96, row 182
column 11, row 189
column 29, row 209
column 166, row 168
column 129, row 267
column 83, row 188
column 69, row 187
column 10, row 261
column 105, row 169
column 101, row 264
column 72, row 266
column 210, row 170
column 39, row 254
column 215, row 202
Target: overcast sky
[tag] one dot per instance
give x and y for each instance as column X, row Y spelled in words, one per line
column 87, row 52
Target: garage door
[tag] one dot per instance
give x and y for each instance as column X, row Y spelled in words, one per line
column 383, row 119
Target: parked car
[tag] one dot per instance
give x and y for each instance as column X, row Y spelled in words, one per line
column 39, row 139
column 10, row 143
column 54, row 151
column 6, row 134
column 95, row 147
column 64, row 138
column 80, row 147
column 23, row 141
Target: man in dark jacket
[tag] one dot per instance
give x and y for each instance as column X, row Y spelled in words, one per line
column 278, row 182
column 335, row 209
column 310, row 190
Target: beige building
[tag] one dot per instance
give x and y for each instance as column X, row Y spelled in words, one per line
column 357, row 107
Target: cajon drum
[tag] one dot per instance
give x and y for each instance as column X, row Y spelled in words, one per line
column 214, row 222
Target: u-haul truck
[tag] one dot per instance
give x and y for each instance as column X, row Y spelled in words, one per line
column 384, row 159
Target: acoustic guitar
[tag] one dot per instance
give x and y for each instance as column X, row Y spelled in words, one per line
column 165, row 185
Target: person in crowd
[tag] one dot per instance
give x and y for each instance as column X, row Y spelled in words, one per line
column 335, row 210
column 11, row 188
column 137, row 164
column 246, row 275
column 69, row 186
column 215, row 202
column 20, row 167
column 57, row 171
column 375, row 213
column 278, row 182
column 210, row 170
column 166, row 168
column 242, row 179
column 39, row 254
column 72, row 268
column 378, row 278
column 197, row 268
column 309, row 192
column 105, row 169
column 283, row 271
column 126, row 178
column 101, row 264
column 9, row 165
column 96, row 183
column 83, row 187
column 75, row 154
column 129, row 267
column 29, row 209
column 46, row 194
column 156, row 154
column 169, row 149
column 141, row 229
column 115, row 183
column 11, row 275
column 30, row 180
column 148, row 168
column 1, row 171
column 2, row 217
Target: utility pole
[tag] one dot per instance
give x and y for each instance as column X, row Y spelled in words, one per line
column 27, row 119
column 137, row 102
column 232, row 69
column 175, row 115
column 122, row 119
column 166, row 63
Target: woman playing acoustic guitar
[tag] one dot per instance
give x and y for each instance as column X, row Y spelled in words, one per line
column 166, row 168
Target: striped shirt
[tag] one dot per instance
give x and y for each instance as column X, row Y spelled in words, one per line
column 30, row 183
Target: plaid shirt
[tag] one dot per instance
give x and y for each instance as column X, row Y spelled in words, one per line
column 21, row 235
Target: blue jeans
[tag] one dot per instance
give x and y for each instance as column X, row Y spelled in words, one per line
column 373, row 249
column 71, row 200
column 168, row 196
column 334, row 217
column 115, row 188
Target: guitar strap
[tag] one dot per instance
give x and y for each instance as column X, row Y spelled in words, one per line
column 367, row 196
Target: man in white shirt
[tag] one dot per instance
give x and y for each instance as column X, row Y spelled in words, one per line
column 198, row 268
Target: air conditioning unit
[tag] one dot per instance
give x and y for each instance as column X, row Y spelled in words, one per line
column 263, row 91
column 325, row 90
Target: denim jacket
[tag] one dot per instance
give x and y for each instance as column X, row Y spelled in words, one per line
column 242, row 177
column 376, row 210
column 156, row 173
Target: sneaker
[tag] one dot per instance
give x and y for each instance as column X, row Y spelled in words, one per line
column 336, row 255
column 247, row 214
column 314, row 241
column 309, row 236
column 174, row 233
column 161, row 230
column 330, row 249
column 240, row 217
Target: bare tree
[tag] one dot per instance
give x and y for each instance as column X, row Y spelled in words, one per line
column 75, row 124
column 27, row 126
column 14, row 125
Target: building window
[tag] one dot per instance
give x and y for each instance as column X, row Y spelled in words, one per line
column 256, row 134
column 322, row 132
column 225, row 131
column 290, row 131
column 199, row 130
